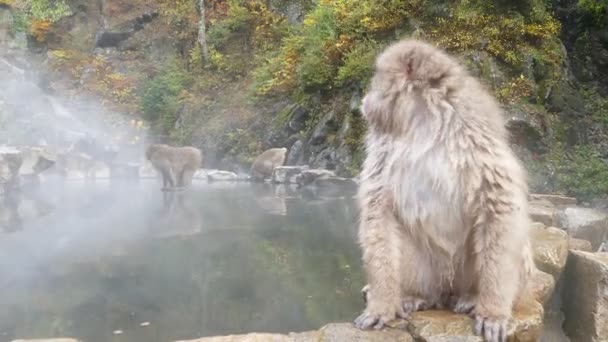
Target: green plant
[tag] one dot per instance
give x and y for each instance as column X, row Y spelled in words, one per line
column 578, row 171
column 160, row 98
column 595, row 10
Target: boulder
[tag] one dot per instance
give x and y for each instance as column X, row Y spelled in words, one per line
column 36, row 160
column 307, row 177
column 554, row 199
column 287, row 174
column 49, row 340
column 586, row 297
column 550, row 249
column 542, row 287
column 330, row 333
column 221, row 175
column 543, row 211
column 438, row 326
column 584, row 223
column 580, row 245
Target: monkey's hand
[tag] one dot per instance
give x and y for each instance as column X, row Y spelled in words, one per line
column 492, row 328
column 378, row 316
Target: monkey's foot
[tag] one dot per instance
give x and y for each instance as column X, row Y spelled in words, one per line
column 412, row 304
column 377, row 319
column 492, row 329
column 464, row 305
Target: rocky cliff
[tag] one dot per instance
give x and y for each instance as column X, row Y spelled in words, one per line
column 291, row 73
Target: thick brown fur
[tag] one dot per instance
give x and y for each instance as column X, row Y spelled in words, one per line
column 265, row 163
column 176, row 165
column 443, row 199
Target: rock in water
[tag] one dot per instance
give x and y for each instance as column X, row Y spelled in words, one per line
column 308, row 176
column 586, row 297
column 220, row 175
column 287, row 174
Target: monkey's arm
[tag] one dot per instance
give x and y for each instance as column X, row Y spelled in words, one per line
column 377, row 236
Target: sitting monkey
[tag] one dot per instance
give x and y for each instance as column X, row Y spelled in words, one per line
column 176, row 165
column 443, row 198
column 265, row 163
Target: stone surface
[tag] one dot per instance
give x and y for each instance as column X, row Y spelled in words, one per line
column 586, row 297
column 543, row 211
column 543, row 285
column 221, row 175
column 580, row 245
column 550, row 249
column 36, row 160
column 308, row 176
column 49, row 340
column 554, row 199
column 584, row 223
column 335, row 332
column 287, row 174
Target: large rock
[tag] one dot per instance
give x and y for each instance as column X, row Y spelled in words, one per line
column 580, row 245
column 439, row 326
column 336, row 332
column 221, row 175
column 584, row 223
column 36, row 160
column 550, row 249
column 542, row 287
column 554, row 199
column 543, row 211
column 308, row 176
column 586, row 297
column 49, row 340
column 287, row 174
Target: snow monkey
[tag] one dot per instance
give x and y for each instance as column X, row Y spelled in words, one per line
column 177, row 165
column 266, row 162
column 443, row 199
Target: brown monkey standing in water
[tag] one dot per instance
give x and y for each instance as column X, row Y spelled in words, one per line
column 265, row 163
column 177, row 165
column 443, row 199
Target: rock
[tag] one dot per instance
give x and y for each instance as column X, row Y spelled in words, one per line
column 326, row 125
column 586, row 297
column 580, row 245
column 347, row 332
column 543, row 285
column 550, row 249
column 440, row 326
column 308, row 176
column 554, row 199
column 220, row 175
column 297, row 119
column 543, row 211
column 111, row 39
column 584, row 223
column 295, row 153
column 287, row 174
column 334, row 332
column 48, row 340
column 10, row 163
column 36, row 160
column 524, row 129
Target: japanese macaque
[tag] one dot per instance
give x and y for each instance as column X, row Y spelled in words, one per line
column 265, row 163
column 443, row 199
column 176, row 165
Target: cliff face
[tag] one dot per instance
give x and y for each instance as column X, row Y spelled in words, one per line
column 291, row 73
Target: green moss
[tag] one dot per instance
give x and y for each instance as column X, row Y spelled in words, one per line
column 596, row 105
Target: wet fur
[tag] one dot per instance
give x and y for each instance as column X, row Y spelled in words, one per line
column 265, row 163
column 176, row 165
column 443, row 199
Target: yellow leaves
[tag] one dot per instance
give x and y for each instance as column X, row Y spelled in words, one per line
column 516, row 89
column 7, row 3
column 39, row 29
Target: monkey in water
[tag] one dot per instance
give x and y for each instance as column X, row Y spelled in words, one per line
column 265, row 163
column 443, row 199
column 176, row 165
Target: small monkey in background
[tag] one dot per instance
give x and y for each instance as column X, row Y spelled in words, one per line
column 443, row 199
column 176, row 165
column 265, row 163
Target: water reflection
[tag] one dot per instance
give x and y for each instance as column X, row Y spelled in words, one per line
column 216, row 259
